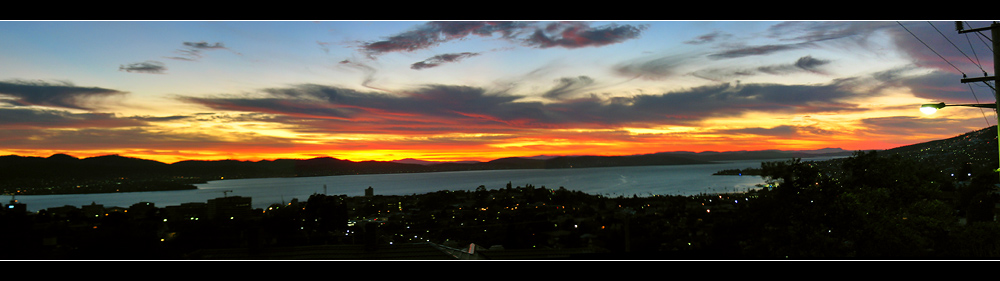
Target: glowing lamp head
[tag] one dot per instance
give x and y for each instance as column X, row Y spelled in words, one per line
column 931, row 108
column 928, row 110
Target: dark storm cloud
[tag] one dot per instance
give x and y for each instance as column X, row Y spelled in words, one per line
column 558, row 34
column 439, row 59
column 64, row 95
column 441, row 108
column 144, row 67
column 20, row 118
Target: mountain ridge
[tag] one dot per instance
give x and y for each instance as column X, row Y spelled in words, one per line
column 62, row 173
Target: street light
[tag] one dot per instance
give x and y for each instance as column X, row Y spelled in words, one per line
column 930, row 108
column 933, row 107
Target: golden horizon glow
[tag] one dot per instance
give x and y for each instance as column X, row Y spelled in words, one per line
column 487, row 92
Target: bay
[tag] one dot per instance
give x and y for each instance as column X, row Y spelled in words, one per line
column 608, row 181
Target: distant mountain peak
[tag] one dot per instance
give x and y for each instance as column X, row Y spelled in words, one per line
column 61, row 156
column 426, row 162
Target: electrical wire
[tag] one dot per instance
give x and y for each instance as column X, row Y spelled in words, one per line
column 989, row 46
column 980, row 109
column 953, row 66
column 981, row 36
column 932, row 49
column 957, row 48
column 969, row 40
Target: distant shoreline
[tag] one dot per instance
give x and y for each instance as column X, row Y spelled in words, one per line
column 739, row 172
column 64, row 174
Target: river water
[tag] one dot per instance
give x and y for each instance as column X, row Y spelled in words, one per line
column 610, row 181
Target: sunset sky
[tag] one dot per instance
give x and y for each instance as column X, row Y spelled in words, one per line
column 458, row 90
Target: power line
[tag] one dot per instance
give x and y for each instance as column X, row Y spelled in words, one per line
column 974, row 51
column 980, row 109
column 953, row 66
column 932, row 49
column 956, row 47
column 989, row 46
column 982, row 38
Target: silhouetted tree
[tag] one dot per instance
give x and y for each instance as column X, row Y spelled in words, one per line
column 882, row 207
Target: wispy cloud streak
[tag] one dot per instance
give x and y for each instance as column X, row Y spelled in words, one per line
column 558, row 34
column 154, row 67
column 23, row 118
column 62, row 95
column 440, row 59
column 434, row 33
column 193, row 50
column 579, row 34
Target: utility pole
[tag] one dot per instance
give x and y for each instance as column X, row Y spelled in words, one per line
column 995, row 30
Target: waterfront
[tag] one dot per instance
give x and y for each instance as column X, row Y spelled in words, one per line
column 926, row 218
column 608, row 181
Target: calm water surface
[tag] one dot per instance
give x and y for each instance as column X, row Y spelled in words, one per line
column 611, row 181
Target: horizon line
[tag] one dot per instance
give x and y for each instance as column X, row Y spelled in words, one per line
column 253, row 159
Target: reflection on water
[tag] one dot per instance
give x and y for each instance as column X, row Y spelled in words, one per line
column 611, row 181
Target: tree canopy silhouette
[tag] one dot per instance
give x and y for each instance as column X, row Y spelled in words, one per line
column 876, row 206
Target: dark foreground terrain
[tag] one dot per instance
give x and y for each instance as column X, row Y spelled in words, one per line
column 873, row 207
column 929, row 201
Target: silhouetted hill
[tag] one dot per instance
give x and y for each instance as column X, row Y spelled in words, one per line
column 978, row 148
column 22, row 173
column 61, row 165
column 760, row 155
column 425, row 162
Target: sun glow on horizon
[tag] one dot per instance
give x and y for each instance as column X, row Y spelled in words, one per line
column 471, row 91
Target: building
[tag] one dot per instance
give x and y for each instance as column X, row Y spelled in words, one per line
column 15, row 207
column 93, row 210
column 229, row 207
